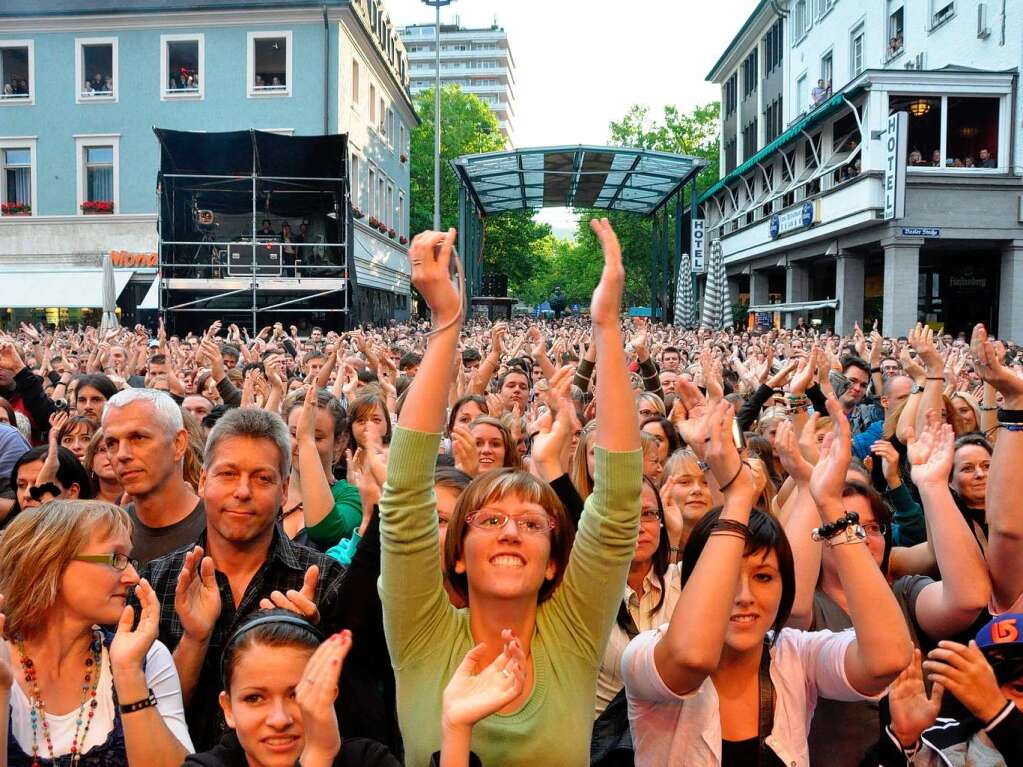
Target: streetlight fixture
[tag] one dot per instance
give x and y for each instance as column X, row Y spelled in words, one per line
column 436, row 4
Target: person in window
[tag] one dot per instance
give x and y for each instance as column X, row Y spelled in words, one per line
column 968, row 162
column 289, row 251
column 819, row 92
column 259, row 82
column 986, row 160
column 277, row 83
column 267, row 229
column 936, row 158
column 915, row 158
column 99, row 84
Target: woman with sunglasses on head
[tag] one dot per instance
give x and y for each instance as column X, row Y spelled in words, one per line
column 80, row 694
column 507, row 549
column 741, row 689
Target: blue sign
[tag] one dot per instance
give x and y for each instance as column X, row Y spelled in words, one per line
column 797, row 218
column 920, row 231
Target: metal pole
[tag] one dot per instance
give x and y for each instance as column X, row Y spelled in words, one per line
column 677, row 268
column 436, row 130
column 255, row 328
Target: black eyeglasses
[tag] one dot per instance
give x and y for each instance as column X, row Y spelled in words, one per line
column 115, row 560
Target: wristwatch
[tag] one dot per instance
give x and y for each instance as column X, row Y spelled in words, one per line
column 917, row 389
column 47, row 488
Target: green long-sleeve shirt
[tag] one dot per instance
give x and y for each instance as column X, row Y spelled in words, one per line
column 428, row 638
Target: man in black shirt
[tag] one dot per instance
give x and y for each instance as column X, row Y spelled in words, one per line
column 244, row 561
column 145, row 439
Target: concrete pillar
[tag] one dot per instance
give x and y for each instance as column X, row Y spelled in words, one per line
column 849, row 292
column 1010, row 293
column 797, row 289
column 758, row 288
column 901, row 277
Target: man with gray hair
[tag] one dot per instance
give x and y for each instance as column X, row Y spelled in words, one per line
column 145, row 440
column 242, row 562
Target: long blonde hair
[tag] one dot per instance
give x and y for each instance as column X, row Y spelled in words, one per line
column 581, row 477
column 37, row 547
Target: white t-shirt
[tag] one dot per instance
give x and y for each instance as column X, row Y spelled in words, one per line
column 161, row 678
column 670, row 729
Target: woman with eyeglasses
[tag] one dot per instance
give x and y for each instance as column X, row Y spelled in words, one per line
column 507, row 549
column 80, row 694
column 933, row 609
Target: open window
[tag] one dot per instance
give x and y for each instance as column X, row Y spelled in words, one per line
column 17, row 75
column 896, row 25
column 181, row 66
column 96, row 69
column 269, row 64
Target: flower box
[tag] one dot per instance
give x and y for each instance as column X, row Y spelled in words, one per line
column 403, row 158
column 391, row 233
column 373, row 222
column 403, row 240
column 15, row 209
column 356, row 213
column 98, row 206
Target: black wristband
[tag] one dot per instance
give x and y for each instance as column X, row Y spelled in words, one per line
column 875, row 370
column 1010, row 416
column 127, row 708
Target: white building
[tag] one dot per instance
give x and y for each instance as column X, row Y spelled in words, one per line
column 480, row 61
column 801, row 209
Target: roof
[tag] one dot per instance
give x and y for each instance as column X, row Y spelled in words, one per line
column 80, row 7
column 750, row 21
column 811, row 120
column 610, row 177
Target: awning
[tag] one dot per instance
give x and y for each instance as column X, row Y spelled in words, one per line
column 610, row 177
column 796, row 306
column 151, row 300
column 806, row 123
column 28, row 287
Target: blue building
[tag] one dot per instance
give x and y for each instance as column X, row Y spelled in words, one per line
column 83, row 83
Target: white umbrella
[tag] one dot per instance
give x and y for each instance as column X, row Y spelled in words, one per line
column 684, row 306
column 109, row 321
column 717, row 314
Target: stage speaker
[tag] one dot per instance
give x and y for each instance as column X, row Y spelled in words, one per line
column 268, row 259
column 495, row 285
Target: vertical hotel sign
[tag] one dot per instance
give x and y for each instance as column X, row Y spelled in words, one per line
column 895, row 159
column 699, row 239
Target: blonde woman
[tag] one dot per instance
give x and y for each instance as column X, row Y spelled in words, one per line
column 114, row 699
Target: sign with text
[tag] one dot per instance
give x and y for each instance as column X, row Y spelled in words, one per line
column 121, row 258
column 895, row 166
column 799, row 217
column 699, row 239
column 920, row 231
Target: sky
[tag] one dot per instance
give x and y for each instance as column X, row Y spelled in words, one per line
column 582, row 63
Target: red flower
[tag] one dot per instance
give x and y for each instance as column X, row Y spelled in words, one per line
column 403, row 240
column 98, row 206
column 15, row 208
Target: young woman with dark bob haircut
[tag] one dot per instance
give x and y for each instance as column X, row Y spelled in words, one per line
column 740, row 689
column 507, row 548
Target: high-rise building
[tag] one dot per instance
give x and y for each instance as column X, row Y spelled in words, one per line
column 478, row 60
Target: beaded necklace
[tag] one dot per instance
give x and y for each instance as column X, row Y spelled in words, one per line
column 38, row 708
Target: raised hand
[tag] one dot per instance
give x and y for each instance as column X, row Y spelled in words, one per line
column 129, row 647
column 921, row 338
column 300, row 601
column 197, row 596
column 828, row 476
column 964, row 671
column 10, row 357
column 912, row 710
column 721, row 452
column 989, row 365
column 475, row 693
column 890, row 460
column 306, row 430
column 787, row 448
column 463, row 447
column 607, row 298
column 931, row 454
column 430, row 256
column 315, row 694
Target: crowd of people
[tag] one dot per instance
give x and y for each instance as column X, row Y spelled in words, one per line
column 985, row 160
column 584, row 541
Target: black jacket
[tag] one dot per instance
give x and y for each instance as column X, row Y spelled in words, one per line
column 355, row 752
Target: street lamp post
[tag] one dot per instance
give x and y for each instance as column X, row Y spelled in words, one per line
column 436, row 4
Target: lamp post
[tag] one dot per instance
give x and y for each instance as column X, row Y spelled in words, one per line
column 436, row 4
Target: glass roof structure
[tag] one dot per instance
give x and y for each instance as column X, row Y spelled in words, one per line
column 614, row 178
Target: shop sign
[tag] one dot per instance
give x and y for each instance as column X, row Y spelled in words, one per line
column 805, row 215
column 895, row 166
column 128, row 258
column 699, row 239
column 920, row 231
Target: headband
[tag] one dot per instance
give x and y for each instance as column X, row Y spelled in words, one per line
column 263, row 620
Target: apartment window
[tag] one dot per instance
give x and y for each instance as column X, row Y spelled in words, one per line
column 895, row 31
column 383, row 118
column 856, row 51
column 730, row 152
column 827, row 69
column 941, row 11
column 269, row 64
column 772, row 44
column 95, row 69
column 802, row 95
column 381, row 212
column 402, row 229
column 821, row 7
column 749, row 75
column 353, row 181
column 773, row 120
column 98, row 173
column 731, row 85
column 801, row 20
column 749, row 139
column 371, row 193
column 181, row 66
column 372, row 104
column 390, row 206
column 401, row 136
column 355, row 83
column 389, row 128
column 17, row 181
column 952, row 131
column 17, row 72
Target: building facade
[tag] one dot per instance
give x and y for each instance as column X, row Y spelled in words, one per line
column 85, row 83
column 479, row 61
column 891, row 188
